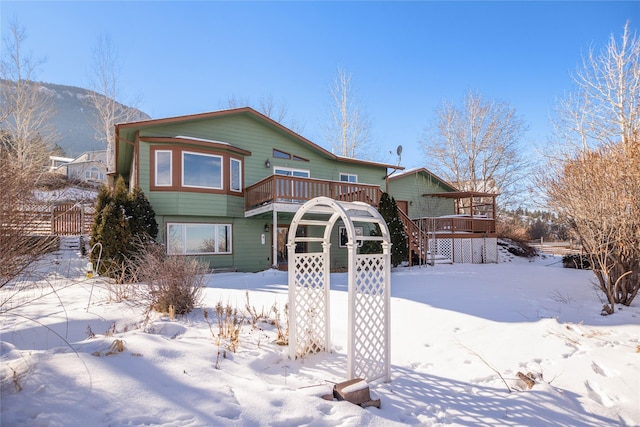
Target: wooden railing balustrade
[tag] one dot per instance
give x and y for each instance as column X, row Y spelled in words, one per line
column 291, row 189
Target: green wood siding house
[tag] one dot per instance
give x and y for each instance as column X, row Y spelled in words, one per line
column 225, row 185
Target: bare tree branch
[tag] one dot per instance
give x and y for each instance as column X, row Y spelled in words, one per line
column 27, row 108
column 349, row 126
column 476, row 147
column 593, row 176
column 104, row 80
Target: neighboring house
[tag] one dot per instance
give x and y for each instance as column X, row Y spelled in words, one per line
column 442, row 222
column 89, row 166
column 57, row 162
column 225, row 185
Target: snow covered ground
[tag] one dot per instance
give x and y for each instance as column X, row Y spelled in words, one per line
column 459, row 334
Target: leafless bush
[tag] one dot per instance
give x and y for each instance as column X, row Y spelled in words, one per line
column 593, row 181
column 171, row 280
column 20, row 249
column 508, row 227
column 283, row 335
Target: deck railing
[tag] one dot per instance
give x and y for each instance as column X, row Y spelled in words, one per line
column 291, row 189
column 458, row 224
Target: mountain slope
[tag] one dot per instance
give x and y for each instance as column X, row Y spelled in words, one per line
column 75, row 118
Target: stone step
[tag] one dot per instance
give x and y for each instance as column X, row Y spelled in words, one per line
column 70, row 243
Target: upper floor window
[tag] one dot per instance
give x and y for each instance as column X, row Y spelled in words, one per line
column 173, row 168
column 236, row 175
column 279, row 154
column 201, row 170
column 347, row 177
column 163, row 168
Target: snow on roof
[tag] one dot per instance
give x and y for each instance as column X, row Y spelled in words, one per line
column 193, row 138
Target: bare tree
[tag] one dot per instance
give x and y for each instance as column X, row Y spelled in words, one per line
column 104, row 80
column 348, row 127
column 593, row 176
column 476, row 147
column 19, row 216
column 27, row 109
column 267, row 106
column 605, row 107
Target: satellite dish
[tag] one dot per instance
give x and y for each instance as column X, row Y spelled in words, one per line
column 399, row 150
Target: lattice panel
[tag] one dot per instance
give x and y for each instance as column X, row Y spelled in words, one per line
column 445, row 248
column 478, row 248
column 457, row 250
column 370, row 340
column 491, row 249
column 467, row 251
column 310, row 303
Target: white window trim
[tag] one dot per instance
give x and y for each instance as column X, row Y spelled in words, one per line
column 184, row 226
column 170, row 168
column 204, row 155
column 348, row 175
column 239, row 190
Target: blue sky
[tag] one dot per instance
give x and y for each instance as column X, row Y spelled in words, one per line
column 405, row 57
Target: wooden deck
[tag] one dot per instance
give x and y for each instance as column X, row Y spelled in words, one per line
column 457, row 224
column 290, row 189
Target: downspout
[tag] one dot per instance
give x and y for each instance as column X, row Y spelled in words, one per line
column 274, row 235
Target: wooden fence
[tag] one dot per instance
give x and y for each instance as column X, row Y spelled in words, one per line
column 60, row 219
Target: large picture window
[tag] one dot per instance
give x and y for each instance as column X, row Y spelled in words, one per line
column 198, row 239
column 163, row 168
column 201, row 170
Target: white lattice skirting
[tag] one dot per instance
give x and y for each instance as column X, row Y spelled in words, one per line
column 470, row 251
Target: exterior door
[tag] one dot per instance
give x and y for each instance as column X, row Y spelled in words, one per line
column 283, row 253
column 403, row 205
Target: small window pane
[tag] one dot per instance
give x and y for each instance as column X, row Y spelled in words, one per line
column 236, row 175
column 347, row 177
column 279, row 171
column 163, row 168
column 281, row 154
column 301, row 174
column 201, row 170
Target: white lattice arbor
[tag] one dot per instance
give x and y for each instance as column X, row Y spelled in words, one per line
column 369, row 283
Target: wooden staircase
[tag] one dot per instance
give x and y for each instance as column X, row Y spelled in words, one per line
column 418, row 242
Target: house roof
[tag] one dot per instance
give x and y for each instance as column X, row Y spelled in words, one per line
column 253, row 114
column 423, row 171
column 461, row 194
